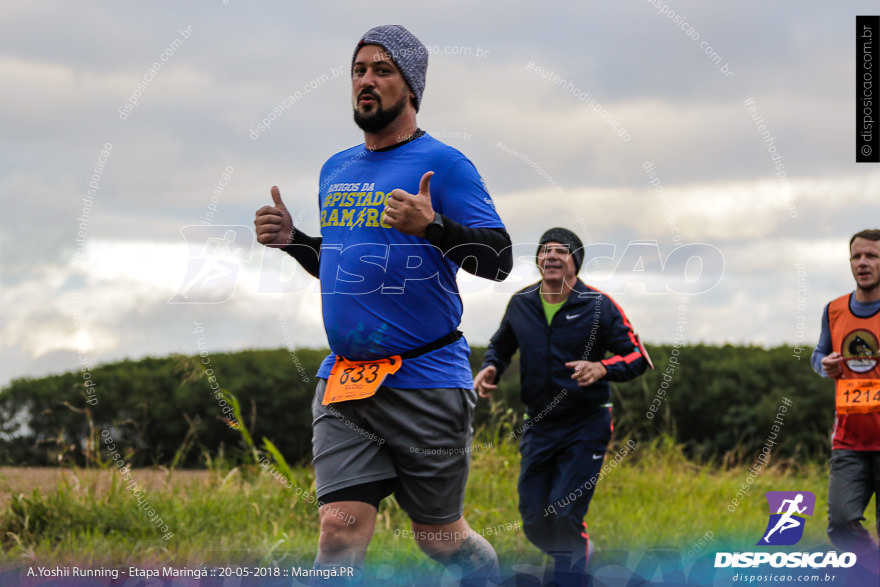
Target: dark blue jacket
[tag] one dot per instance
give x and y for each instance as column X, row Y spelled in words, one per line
column 587, row 327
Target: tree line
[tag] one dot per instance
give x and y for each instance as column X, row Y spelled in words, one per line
column 721, row 403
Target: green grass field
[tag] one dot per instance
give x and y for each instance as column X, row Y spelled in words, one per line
column 655, row 497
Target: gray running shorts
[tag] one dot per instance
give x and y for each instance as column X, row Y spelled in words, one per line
column 421, row 437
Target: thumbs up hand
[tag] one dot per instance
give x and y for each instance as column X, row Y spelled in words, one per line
column 410, row 213
column 274, row 224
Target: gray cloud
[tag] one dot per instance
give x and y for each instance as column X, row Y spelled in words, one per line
column 546, row 151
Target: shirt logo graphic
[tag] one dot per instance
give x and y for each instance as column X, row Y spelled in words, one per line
column 860, row 350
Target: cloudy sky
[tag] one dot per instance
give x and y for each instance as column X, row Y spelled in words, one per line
column 704, row 151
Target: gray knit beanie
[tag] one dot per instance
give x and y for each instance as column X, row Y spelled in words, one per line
column 407, row 53
column 565, row 237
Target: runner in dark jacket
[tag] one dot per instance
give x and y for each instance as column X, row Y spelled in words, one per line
column 564, row 329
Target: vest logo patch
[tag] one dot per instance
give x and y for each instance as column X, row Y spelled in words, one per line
column 860, row 350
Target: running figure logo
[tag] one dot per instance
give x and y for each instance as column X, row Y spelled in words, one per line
column 215, row 254
column 786, row 525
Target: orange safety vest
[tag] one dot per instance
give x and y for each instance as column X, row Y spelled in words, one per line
column 857, row 425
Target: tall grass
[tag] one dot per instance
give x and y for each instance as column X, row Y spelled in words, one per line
column 243, row 515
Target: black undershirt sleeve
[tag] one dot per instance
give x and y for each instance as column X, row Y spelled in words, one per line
column 484, row 252
column 306, row 250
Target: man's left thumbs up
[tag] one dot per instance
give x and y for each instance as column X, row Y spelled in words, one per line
column 410, row 213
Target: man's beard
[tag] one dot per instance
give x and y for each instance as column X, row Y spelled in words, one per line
column 376, row 121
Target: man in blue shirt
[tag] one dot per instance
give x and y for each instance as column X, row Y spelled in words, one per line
column 564, row 329
column 393, row 408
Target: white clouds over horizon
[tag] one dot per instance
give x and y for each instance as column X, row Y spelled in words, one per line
column 67, row 76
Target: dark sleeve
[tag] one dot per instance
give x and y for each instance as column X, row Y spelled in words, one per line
column 823, row 347
column 484, row 252
column 502, row 346
column 306, row 250
column 627, row 361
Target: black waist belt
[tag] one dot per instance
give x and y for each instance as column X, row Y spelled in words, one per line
column 450, row 338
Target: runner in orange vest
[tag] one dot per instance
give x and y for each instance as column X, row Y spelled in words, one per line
column 848, row 353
